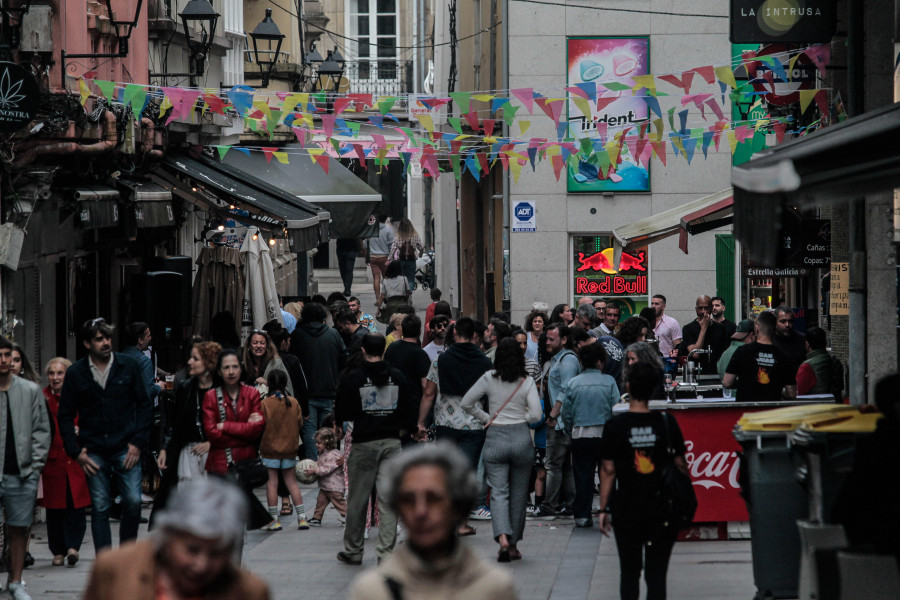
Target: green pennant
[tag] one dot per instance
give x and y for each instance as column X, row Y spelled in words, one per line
column 135, row 95
column 252, row 125
column 222, row 150
column 671, row 112
column 463, row 99
column 413, row 140
column 587, row 146
column 509, row 112
column 454, row 160
column 336, row 144
column 107, row 87
column 320, row 97
column 354, row 127
column 456, row 124
column 272, row 120
column 615, row 86
column 386, row 104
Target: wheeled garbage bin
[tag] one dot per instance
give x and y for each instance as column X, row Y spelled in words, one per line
column 775, row 499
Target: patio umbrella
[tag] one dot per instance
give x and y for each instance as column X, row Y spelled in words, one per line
column 218, row 287
column 260, row 295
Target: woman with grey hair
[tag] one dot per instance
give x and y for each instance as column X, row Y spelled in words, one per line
column 645, row 353
column 432, row 488
column 189, row 555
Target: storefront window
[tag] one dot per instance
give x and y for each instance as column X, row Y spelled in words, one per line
column 595, row 276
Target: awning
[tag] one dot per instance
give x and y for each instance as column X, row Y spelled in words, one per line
column 349, row 199
column 844, row 161
column 270, row 208
column 97, row 206
column 152, row 205
column 697, row 216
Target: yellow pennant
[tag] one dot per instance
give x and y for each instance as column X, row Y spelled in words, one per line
column 83, row 90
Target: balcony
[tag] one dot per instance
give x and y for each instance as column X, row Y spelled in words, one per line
column 381, row 78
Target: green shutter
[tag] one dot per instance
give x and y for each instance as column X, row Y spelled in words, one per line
column 725, row 275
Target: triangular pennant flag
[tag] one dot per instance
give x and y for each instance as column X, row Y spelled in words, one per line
column 165, row 105
column 454, row 162
column 616, row 86
column 215, row 104
column 427, row 122
column 328, row 125
column 483, row 162
column 645, row 81
column 779, row 128
column 526, row 97
column 83, row 90
column 405, row 156
column 341, row 104
column 523, row 126
column 726, row 75
column 222, row 151
column 707, row 73
column 241, row 98
column 244, row 151
column 472, row 120
column 717, row 110
column 589, row 88
column 136, row 96
column 463, row 99
column 268, row 153
column 577, row 91
column 509, row 113
column 336, row 144
column 690, row 146
column 386, row 104
column 516, row 168
column 497, row 104
column 707, row 139
column 659, row 149
column 584, row 106
column 822, row 102
column 558, row 164
column 281, row 157
column 488, row 127
column 108, row 88
column 472, row 166
column 820, row 55
column 455, row 123
column 682, row 119
column 732, row 140
column 653, row 103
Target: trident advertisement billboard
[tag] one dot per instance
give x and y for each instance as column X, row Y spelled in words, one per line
column 594, row 274
column 607, row 60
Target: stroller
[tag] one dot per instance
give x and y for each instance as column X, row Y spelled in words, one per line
column 425, row 271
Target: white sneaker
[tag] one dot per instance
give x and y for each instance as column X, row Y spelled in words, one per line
column 18, row 592
column 482, row 513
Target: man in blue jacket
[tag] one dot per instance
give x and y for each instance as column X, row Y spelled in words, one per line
column 106, row 392
column 563, row 366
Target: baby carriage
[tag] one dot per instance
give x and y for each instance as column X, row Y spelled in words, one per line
column 425, row 271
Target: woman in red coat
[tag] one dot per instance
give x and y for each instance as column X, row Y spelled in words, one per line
column 65, row 487
column 240, row 429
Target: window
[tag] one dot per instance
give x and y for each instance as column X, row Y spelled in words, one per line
column 373, row 23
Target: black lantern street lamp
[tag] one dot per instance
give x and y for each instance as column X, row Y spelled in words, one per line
column 332, row 69
column 198, row 12
column 123, row 28
column 266, row 31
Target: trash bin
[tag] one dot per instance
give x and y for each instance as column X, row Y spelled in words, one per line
column 825, row 445
column 775, row 499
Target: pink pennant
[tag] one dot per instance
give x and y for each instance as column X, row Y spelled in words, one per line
column 488, row 125
column 341, row 104
column 822, row 101
column 707, row 73
column 684, row 83
column 361, row 99
column 715, row 108
column 660, row 149
column 360, row 154
column 780, row 128
column 743, row 132
column 379, row 141
column 268, row 153
column 639, row 148
column 604, row 102
column 577, row 91
column 472, row 120
column 558, row 164
column 482, row 162
column 183, row 101
column 328, row 125
column 433, row 103
column 601, row 131
column 820, row 55
column 299, row 133
column 526, row 97
column 552, row 109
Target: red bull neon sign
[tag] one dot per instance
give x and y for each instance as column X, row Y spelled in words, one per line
column 595, row 274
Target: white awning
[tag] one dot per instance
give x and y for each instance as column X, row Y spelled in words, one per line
column 693, row 217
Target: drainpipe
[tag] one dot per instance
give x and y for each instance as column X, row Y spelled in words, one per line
column 504, row 76
column 856, row 67
column 110, row 139
column 148, row 138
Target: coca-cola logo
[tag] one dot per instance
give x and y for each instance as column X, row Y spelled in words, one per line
column 713, row 469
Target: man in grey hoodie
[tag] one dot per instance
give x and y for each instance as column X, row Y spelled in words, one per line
column 379, row 247
column 323, row 355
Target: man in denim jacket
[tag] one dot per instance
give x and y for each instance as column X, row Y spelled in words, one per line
column 563, row 366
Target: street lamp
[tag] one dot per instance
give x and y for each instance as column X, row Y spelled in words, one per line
column 123, row 28
column 10, row 37
column 266, row 31
column 198, row 12
column 332, row 69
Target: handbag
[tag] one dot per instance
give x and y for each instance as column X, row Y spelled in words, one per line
column 491, row 420
column 676, row 493
column 248, row 473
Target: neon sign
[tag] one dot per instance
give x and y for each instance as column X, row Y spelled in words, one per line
column 595, row 275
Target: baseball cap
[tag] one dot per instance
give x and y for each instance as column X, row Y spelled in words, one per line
column 744, row 328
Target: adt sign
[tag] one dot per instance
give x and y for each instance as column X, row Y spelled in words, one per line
column 524, row 217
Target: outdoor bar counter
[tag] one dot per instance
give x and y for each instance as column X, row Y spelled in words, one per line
column 712, row 452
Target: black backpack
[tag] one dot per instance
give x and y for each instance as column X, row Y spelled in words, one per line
column 407, row 251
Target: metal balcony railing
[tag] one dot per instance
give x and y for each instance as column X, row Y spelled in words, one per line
column 382, row 77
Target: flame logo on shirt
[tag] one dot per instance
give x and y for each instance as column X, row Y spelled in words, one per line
column 762, row 376
column 642, row 463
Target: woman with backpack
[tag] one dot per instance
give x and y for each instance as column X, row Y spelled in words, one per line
column 406, row 249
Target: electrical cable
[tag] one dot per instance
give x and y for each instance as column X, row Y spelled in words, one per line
column 625, row 10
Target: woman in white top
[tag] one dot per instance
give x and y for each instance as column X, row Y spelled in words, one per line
column 508, row 452
column 394, row 292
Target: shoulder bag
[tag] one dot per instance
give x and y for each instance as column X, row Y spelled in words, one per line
column 248, row 473
column 676, row 493
column 515, row 391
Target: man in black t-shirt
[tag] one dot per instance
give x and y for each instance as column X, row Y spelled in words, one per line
column 787, row 339
column 407, row 356
column 702, row 332
column 759, row 370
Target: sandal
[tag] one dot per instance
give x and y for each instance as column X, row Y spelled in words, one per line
column 286, row 509
column 463, row 532
column 503, row 555
column 515, row 554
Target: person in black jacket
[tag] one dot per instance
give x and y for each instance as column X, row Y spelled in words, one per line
column 107, row 394
column 377, row 399
column 323, row 355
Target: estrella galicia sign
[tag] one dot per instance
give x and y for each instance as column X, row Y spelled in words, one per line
column 19, row 97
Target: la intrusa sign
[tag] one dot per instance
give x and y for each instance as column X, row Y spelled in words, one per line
column 804, row 21
column 19, row 97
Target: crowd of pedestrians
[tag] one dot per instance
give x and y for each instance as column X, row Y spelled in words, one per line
column 522, row 415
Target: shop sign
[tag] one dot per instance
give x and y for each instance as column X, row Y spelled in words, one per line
column 807, row 243
column 762, row 21
column 596, row 276
column 524, row 217
column 775, row 272
column 19, row 97
column 840, row 289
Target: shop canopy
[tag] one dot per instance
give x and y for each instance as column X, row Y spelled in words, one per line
column 848, row 160
column 212, row 183
column 349, row 199
column 697, row 216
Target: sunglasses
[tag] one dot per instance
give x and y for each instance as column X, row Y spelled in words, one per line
column 440, row 326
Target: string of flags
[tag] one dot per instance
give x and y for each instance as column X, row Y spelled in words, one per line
column 686, row 113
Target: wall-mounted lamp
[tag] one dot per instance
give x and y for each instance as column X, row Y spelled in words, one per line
column 267, row 31
column 123, row 31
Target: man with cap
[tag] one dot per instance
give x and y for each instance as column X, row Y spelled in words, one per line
column 743, row 334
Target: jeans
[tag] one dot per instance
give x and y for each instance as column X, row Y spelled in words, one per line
column 408, row 267
column 508, row 455
column 585, row 461
column 637, row 550
column 100, row 487
column 469, row 442
column 560, row 481
column 346, row 262
column 366, row 472
column 319, row 408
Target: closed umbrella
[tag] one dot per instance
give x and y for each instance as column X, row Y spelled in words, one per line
column 260, row 295
column 218, row 286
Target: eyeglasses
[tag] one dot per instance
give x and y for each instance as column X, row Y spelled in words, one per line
column 440, row 326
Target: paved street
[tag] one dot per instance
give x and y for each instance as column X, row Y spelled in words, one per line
column 561, row 563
